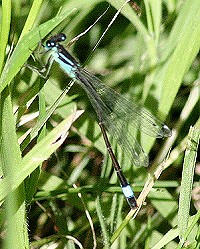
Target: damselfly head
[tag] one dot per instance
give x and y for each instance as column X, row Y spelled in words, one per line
column 50, row 44
column 54, row 40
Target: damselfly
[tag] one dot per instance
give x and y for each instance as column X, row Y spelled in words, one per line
column 115, row 113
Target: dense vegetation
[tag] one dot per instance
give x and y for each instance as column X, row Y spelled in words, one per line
column 58, row 187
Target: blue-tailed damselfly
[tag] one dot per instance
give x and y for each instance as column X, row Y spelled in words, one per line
column 114, row 112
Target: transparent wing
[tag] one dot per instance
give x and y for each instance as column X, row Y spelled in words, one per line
column 118, row 114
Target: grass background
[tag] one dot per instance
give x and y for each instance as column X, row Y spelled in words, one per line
column 153, row 59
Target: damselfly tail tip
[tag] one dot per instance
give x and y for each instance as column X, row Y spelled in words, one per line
column 132, row 202
column 166, row 131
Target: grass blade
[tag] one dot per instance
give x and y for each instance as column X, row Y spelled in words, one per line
column 187, row 181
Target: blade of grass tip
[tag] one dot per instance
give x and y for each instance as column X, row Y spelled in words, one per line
column 187, row 181
column 106, row 238
column 33, row 14
column 5, row 29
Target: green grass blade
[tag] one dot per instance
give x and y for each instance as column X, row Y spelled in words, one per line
column 179, row 53
column 31, row 182
column 169, row 236
column 51, row 109
column 5, row 28
column 150, row 58
column 187, row 181
column 103, row 224
column 33, row 14
column 154, row 14
column 174, row 232
column 38, row 154
column 15, row 212
column 159, row 200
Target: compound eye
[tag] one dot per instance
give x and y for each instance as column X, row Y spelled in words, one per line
column 61, row 37
column 50, row 44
